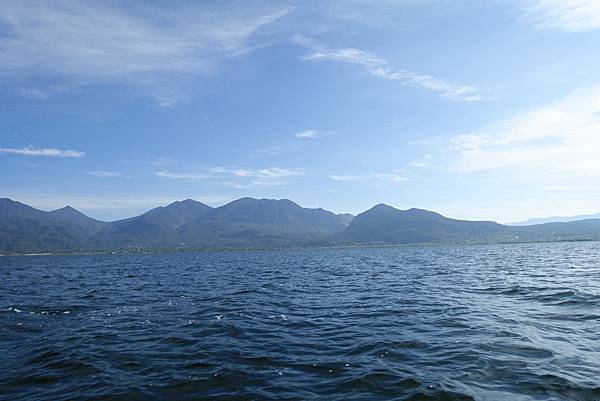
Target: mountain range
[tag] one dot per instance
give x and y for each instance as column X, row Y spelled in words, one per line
column 555, row 219
column 257, row 223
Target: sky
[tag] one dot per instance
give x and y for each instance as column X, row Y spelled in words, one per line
column 482, row 110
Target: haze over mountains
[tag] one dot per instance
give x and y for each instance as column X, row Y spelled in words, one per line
column 256, row 223
column 555, row 219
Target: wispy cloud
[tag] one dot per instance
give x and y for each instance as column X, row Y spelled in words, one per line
column 559, row 140
column 308, row 134
column 394, row 178
column 270, row 172
column 271, row 151
column 563, row 15
column 423, row 163
column 235, row 185
column 265, row 177
column 151, row 49
column 34, row 93
column 105, row 174
column 49, row 152
column 228, row 177
column 184, row 176
column 420, row 163
column 381, row 68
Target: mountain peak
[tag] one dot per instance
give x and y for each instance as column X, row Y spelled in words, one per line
column 249, row 222
column 72, row 215
column 9, row 206
column 382, row 206
column 264, row 201
column 186, row 204
column 421, row 212
column 8, row 201
column 189, row 201
column 66, row 210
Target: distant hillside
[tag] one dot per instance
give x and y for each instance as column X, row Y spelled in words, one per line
column 257, row 223
column 25, row 229
column 345, row 218
column 555, row 219
column 157, row 228
column 242, row 223
column 574, row 230
column 385, row 224
column 261, row 222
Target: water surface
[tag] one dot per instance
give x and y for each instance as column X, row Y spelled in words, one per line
column 501, row 322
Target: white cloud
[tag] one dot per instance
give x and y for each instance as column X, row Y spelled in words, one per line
column 308, row 134
column 270, row 172
column 150, row 48
column 271, row 150
column 34, row 93
column 270, row 176
column 50, row 152
column 560, row 141
column 218, row 170
column 564, row 15
column 420, row 163
column 105, row 174
column 379, row 67
column 268, row 182
column 235, row 185
column 183, row 176
column 392, row 178
column 347, row 178
column 423, row 163
column 265, row 177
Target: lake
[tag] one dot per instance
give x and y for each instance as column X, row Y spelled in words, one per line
column 493, row 322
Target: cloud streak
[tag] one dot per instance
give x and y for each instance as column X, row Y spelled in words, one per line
column 559, row 141
column 265, row 177
column 563, row 15
column 381, row 68
column 48, row 152
column 154, row 50
column 270, row 176
column 184, row 176
column 392, row 178
column 105, row 174
column 270, row 172
column 308, row 134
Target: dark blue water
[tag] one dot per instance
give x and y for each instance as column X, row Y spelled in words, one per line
column 503, row 322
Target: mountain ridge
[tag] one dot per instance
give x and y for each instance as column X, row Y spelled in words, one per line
column 386, row 224
column 257, row 223
column 554, row 219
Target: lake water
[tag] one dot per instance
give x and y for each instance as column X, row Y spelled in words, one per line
column 501, row 322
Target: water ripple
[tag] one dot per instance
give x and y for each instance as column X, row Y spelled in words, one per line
column 501, row 322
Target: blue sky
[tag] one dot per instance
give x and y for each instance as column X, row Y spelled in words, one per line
column 475, row 109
